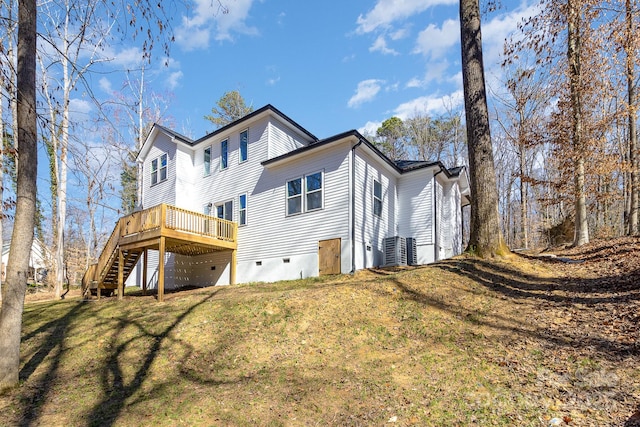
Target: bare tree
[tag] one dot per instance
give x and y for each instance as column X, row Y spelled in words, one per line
column 485, row 236
column 22, row 236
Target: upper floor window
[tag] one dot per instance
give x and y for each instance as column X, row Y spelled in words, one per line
column 159, row 169
column 224, row 154
column 305, row 193
column 242, row 209
column 377, row 198
column 207, row 161
column 244, row 145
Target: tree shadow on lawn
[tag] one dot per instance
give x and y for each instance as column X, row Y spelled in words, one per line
column 52, row 348
column 565, row 293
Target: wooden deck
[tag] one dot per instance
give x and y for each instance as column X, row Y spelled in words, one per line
column 163, row 228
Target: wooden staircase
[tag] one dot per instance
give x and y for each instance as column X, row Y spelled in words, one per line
column 164, row 228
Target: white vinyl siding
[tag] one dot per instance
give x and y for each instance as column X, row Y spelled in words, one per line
column 155, row 194
column 282, row 141
column 416, row 211
column 370, row 229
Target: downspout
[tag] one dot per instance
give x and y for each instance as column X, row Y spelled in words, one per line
column 353, row 206
column 435, row 218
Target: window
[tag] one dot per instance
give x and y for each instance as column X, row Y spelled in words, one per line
column 224, row 154
column 159, row 169
column 314, row 191
column 207, row 161
column 312, row 196
column 294, row 196
column 242, row 209
column 377, row 198
column 225, row 210
column 244, row 141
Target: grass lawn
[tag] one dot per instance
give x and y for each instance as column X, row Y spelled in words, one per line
column 518, row 341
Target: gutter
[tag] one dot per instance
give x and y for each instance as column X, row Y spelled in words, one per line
column 353, row 206
column 435, row 218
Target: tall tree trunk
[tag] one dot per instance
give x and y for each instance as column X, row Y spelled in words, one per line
column 581, row 235
column 632, row 117
column 485, row 237
column 524, row 221
column 22, row 236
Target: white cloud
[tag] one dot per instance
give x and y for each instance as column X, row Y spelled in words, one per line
column 209, row 21
column 174, row 79
column 79, row 109
column 436, row 71
column 366, row 91
column 495, row 31
column 437, row 42
column 128, row 58
column 105, row 85
column 385, row 12
column 380, row 45
column 431, row 105
column 370, row 128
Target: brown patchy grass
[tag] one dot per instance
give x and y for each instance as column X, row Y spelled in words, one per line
column 516, row 341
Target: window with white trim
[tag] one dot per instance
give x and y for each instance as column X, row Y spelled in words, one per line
column 242, row 209
column 304, row 194
column 294, row 196
column 244, row 146
column 159, row 169
column 225, row 210
column 377, row 198
column 313, row 191
column 224, row 154
column 207, row 161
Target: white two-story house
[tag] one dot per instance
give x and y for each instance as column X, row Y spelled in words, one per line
column 303, row 206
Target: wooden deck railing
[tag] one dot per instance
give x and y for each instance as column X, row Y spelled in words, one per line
column 159, row 218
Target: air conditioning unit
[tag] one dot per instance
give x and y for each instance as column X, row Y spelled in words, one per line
column 395, row 251
column 412, row 251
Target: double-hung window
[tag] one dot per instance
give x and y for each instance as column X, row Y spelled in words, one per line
column 377, row 198
column 159, row 169
column 313, row 191
column 242, row 209
column 244, row 146
column 225, row 210
column 304, row 194
column 224, row 154
column 207, row 161
column 294, row 196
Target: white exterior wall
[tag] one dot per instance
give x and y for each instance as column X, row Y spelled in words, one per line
column 164, row 191
column 285, row 246
column 282, row 140
column 271, row 237
column 370, row 230
column 416, row 211
column 273, row 246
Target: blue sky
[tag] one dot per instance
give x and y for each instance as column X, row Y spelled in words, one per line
column 331, row 66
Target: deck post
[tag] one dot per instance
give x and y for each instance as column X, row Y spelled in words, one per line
column 232, row 274
column 144, row 271
column 120, row 274
column 161, row 251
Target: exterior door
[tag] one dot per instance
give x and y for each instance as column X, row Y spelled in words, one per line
column 329, row 256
